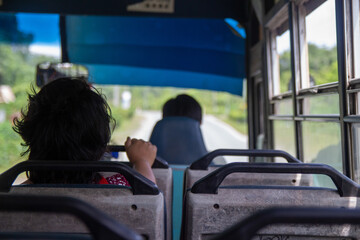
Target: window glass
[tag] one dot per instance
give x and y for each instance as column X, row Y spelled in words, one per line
column 25, row 41
column 357, row 103
column 283, row 51
column 324, row 104
column 322, row 144
column 137, row 109
column 283, row 107
column 321, row 40
column 356, row 146
column 284, row 138
column 356, row 33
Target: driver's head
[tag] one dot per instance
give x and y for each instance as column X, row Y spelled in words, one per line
column 183, row 106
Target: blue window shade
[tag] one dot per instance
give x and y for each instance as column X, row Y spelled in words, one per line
column 188, row 53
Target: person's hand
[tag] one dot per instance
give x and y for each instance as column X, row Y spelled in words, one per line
column 138, row 150
column 142, row 155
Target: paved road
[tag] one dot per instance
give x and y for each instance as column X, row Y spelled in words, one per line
column 216, row 133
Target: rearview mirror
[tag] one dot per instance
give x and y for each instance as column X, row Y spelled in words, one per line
column 47, row 72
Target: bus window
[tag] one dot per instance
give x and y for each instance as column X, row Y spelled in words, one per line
column 321, row 41
column 322, row 143
column 355, row 32
column 321, row 104
column 284, row 138
column 26, row 40
column 355, row 129
column 283, row 51
column 283, row 107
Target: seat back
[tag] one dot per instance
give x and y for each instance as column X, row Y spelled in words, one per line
column 100, row 225
column 179, row 140
column 140, row 207
column 210, row 209
column 334, row 218
column 164, row 179
column 201, row 168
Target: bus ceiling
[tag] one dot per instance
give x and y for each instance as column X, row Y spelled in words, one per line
column 170, row 8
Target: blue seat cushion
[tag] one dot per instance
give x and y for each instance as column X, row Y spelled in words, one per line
column 179, row 140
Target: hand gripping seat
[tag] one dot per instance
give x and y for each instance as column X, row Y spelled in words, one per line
column 140, row 207
column 210, row 209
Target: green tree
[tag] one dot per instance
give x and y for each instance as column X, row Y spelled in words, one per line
column 322, row 66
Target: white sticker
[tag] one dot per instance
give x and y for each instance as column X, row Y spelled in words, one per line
column 154, row 6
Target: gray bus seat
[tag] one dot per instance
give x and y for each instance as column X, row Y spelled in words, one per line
column 210, row 209
column 100, row 225
column 334, row 218
column 164, row 180
column 179, row 140
column 201, row 168
column 140, row 207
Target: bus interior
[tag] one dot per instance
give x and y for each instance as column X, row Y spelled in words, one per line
column 276, row 155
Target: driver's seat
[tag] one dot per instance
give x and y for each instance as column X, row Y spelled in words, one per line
column 179, row 140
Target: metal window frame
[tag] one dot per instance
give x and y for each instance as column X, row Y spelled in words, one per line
column 300, row 79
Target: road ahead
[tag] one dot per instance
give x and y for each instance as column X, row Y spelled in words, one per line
column 216, row 133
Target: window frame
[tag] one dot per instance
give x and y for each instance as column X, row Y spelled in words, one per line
column 296, row 14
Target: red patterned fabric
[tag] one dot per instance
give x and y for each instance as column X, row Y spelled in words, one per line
column 117, row 179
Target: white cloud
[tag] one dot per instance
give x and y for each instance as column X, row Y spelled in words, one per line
column 47, row 50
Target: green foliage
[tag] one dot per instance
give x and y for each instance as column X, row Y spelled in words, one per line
column 120, row 115
column 10, row 147
column 285, row 71
column 18, row 71
column 322, row 66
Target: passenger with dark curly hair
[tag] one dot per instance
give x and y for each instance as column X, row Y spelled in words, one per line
column 70, row 120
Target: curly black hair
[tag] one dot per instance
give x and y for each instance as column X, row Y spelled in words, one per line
column 66, row 120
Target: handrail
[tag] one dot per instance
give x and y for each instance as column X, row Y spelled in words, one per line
column 100, row 225
column 204, row 162
column 247, row 228
column 140, row 185
column 211, row 182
